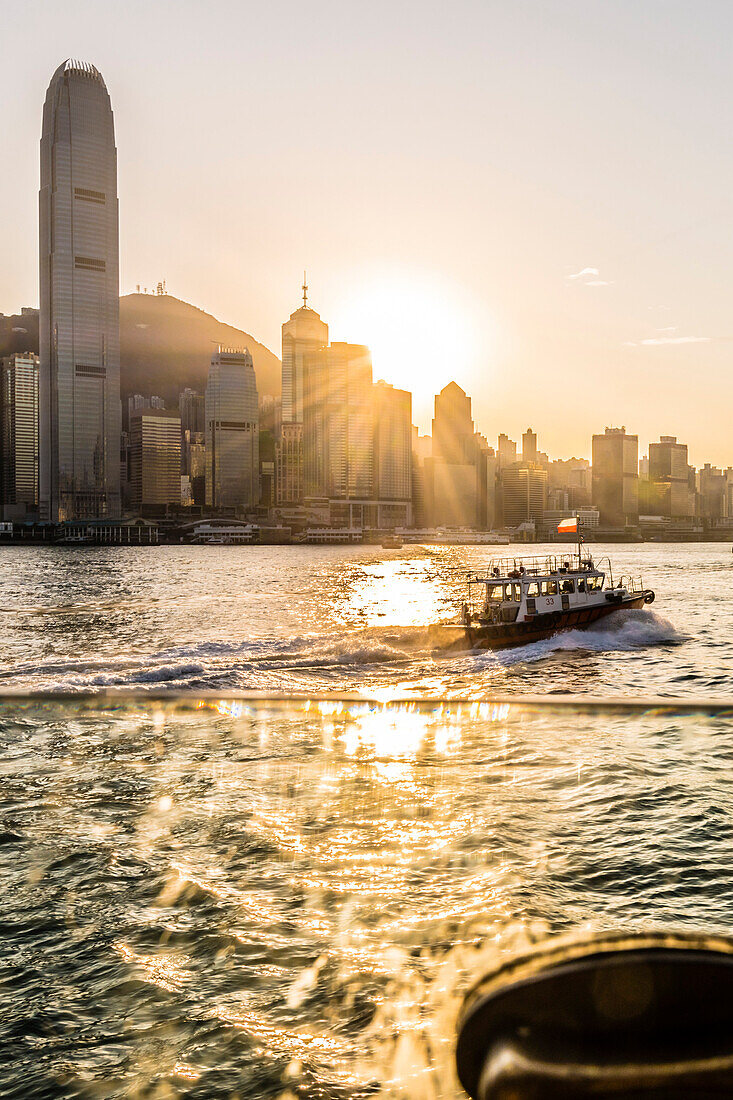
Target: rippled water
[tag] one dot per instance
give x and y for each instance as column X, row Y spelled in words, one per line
column 208, row 898
column 346, row 618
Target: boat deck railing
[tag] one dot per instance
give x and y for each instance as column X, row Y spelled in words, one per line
column 545, row 564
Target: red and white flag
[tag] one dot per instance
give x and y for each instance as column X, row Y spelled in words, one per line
column 568, row 526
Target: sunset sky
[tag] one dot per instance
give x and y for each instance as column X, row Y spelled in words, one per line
column 533, row 197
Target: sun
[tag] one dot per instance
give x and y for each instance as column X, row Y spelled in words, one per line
column 421, row 334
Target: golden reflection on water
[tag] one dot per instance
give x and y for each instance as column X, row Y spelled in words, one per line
column 396, row 592
column 339, row 848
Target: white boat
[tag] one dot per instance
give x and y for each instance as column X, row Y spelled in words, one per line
column 520, row 600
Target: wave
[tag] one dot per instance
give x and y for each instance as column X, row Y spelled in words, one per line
column 620, row 632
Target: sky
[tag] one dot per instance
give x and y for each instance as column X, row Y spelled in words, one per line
column 534, row 198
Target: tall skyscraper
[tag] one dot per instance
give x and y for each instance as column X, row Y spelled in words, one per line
column 529, row 446
column 232, row 431
column 338, row 423
column 305, row 332
column 616, row 477
column 303, row 335
column 393, row 454
column 453, row 432
column 79, row 317
column 672, row 493
column 18, row 435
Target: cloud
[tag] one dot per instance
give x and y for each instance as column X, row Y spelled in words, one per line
column 588, row 277
column 582, row 274
column 656, row 341
column 665, row 341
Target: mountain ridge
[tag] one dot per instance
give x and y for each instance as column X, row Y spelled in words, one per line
column 165, row 345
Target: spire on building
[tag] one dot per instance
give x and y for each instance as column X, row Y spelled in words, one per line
column 305, row 291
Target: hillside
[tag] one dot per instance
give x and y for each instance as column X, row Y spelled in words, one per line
column 165, row 344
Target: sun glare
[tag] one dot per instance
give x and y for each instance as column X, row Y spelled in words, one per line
column 421, row 334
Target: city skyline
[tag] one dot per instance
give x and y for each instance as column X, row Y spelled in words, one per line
column 553, row 255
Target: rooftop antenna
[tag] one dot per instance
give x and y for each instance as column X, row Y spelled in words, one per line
column 305, row 292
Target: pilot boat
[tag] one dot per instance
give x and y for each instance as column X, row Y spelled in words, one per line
column 521, row 600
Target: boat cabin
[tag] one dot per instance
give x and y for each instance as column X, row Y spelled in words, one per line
column 518, row 589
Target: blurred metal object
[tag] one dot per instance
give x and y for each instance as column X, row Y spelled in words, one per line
column 616, row 1015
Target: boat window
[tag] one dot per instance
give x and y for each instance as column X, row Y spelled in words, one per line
column 594, row 583
column 516, row 592
column 495, row 592
column 568, row 586
column 548, row 588
column 533, row 589
column 581, row 585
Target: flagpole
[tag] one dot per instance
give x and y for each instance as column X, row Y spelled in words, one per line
column 577, row 531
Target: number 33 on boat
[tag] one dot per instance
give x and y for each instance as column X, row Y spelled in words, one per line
column 522, row 600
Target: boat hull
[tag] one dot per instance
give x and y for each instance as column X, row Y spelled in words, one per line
column 506, row 635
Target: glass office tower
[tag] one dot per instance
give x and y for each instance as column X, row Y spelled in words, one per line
column 79, row 281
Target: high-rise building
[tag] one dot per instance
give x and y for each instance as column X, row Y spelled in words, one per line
column 18, row 435
column 529, row 446
column 191, row 406
column 304, row 333
column 616, row 477
column 289, row 465
column 523, row 493
column 155, row 459
column 392, row 444
column 453, row 431
column 669, row 479
column 454, row 467
column 507, row 450
column 79, row 316
column 338, row 423
column 232, row 431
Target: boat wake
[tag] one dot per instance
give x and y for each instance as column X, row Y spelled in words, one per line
column 354, row 661
column 622, row 631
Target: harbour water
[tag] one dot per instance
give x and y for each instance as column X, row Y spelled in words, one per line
column 314, row 619
column 206, row 897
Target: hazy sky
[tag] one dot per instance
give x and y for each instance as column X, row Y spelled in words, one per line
column 534, row 197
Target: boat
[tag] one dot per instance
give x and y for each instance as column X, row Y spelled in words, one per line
column 391, row 542
column 525, row 599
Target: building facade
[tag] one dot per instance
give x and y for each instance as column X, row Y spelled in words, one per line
column 302, row 334
column 19, row 439
column 155, row 459
column 232, row 432
column 670, row 491
column 79, row 316
column 338, row 423
column 523, row 493
column 616, row 477
column 393, row 450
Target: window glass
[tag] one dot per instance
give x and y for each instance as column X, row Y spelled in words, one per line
column 516, row 592
column 533, row 589
column 568, row 586
column 495, row 592
column 549, row 588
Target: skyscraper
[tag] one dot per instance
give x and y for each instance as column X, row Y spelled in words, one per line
column 155, row 458
column 18, row 435
column 453, row 432
column 232, row 431
column 79, row 317
column 616, row 477
column 393, row 454
column 338, row 423
column 529, row 446
column 303, row 335
column 304, row 332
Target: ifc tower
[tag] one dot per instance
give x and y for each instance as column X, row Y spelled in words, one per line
column 80, row 312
